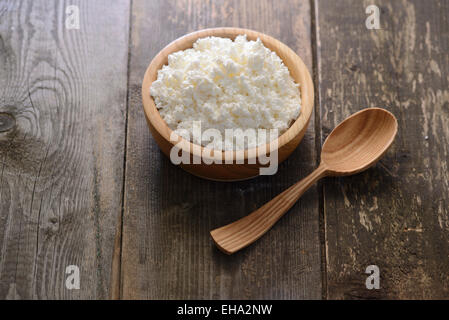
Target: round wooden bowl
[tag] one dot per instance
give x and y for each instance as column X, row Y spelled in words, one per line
column 243, row 166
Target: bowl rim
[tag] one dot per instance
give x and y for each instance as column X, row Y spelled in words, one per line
column 153, row 116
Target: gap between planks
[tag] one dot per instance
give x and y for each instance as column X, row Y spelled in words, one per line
column 116, row 272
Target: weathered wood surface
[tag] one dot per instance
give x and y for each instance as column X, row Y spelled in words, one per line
column 63, row 92
column 167, row 252
column 395, row 215
column 63, row 112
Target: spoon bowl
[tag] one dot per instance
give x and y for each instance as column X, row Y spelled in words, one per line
column 359, row 141
column 354, row 145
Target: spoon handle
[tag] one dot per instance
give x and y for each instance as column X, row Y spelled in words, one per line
column 241, row 233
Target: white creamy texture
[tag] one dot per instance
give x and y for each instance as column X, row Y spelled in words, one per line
column 226, row 85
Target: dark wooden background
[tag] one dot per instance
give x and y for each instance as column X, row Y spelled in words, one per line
column 83, row 183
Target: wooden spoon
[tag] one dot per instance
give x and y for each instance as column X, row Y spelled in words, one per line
column 353, row 146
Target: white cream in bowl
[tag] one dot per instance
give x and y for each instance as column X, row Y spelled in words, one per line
column 226, row 84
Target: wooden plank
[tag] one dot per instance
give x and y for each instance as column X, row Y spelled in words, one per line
column 64, row 93
column 396, row 214
column 167, row 251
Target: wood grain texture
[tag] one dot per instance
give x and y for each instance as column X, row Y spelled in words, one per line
column 62, row 159
column 167, row 252
column 396, row 214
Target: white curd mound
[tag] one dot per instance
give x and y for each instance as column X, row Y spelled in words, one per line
column 226, row 84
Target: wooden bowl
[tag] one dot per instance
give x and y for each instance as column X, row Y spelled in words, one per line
column 243, row 166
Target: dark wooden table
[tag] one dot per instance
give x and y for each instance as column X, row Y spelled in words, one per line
column 83, row 183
